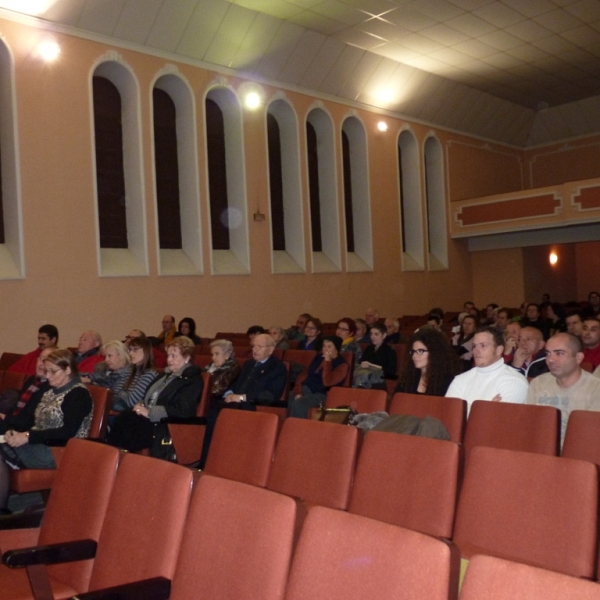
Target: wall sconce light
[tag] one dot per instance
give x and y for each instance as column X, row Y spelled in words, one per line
column 553, row 258
column 48, row 50
column 382, row 126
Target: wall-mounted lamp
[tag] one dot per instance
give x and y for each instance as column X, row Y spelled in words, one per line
column 382, row 126
column 252, row 100
column 48, row 50
column 553, row 258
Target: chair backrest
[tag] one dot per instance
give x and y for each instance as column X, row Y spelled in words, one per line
column 302, row 357
column 490, row 578
column 400, row 354
column 524, row 427
column 531, row 508
column 238, row 542
column 144, row 522
column 103, row 400
column 242, row 446
column 315, row 462
column 407, row 481
column 340, row 555
column 349, row 357
column 12, row 381
column 582, row 439
column 363, row 400
column 205, row 396
column 8, row 358
column 202, row 360
column 452, row 412
column 78, row 503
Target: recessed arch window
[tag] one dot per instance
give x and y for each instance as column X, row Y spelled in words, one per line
column 356, row 196
column 411, row 213
column 322, row 192
column 435, row 194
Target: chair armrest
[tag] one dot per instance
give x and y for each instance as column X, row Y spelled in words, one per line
column 156, row 588
column 22, row 521
column 50, row 555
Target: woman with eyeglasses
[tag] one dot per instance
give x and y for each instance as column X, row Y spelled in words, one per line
column 430, row 365
column 65, row 411
column 312, row 335
column 346, row 329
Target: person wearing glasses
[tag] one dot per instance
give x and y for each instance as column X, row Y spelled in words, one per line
column 65, row 411
column 490, row 378
column 312, row 335
column 430, row 365
column 346, row 330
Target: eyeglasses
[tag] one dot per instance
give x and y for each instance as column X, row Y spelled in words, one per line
column 343, row 328
column 418, row 351
column 133, row 349
column 52, row 371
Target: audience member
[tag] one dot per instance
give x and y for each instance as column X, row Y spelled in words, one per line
column 574, row 324
column 378, row 361
column 114, row 370
column 533, row 318
column 88, row 352
column 371, row 317
column 168, row 331
column 65, row 411
column 223, row 368
column 346, row 330
column 430, row 365
column 296, row 332
column 591, row 341
column 511, row 340
column 593, row 310
column 490, row 379
column 463, row 341
column 278, row 335
column 555, row 316
column 502, row 319
column 434, row 321
column 530, row 357
column 362, row 331
column 312, row 335
column 47, row 338
column 160, row 359
column 187, row 327
column 393, row 331
column 468, row 305
column 491, row 314
column 567, row 386
column 327, row 369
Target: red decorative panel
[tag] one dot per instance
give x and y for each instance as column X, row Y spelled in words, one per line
column 507, row 210
column 588, row 198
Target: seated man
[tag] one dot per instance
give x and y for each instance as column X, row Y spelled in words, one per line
column 502, row 319
column 160, row 359
column 567, row 386
column 590, row 337
column 168, row 330
column 435, row 321
column 393, row 331
column 371, row 317
column 490, row 379
column 533, row 318
column 296, row 332
column 530, row 357
column 574, row 324
column 47, row 338
column 88, row 352
column 511, row 340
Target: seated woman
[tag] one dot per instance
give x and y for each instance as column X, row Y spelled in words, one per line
column 346, row 329
column 327, row 369
column 114, row 370
column 378, row 361
column 463, row 341
column 312, row 335
column 430, row 365
column 65, row 411
column 277, row 333
column 187, row 327
column 175, row 393
column 141, row 375
column 555, row 315
column 223, row 368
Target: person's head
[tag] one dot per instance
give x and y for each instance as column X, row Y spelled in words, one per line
column 221, row 351
column 40, row 369
column 489, row 310
column 475, row 312
column 301, row 322
column 254, row 331
column 468, row 305
column 591, row 333
column 523, row 309
column 180, row 352
column 531, row 340
column 332, row 345
column 574, row 324
column 564, row 354
column 594, row 298
column 361, row 328
column 392, row 326
column 140, row 352
column 502, row 319
column 47, row 336
column 378, row 334
column 512, row 331
column 134, row 333
column 262, row 347
column 168, row 322
column 371, row 316
column 434, row 321
column 468, row 325
column 60, row 368
column 276, row 332
column 187, row 326
column 345, row 328
column 115, row 355
column 428, row 346
column 554, row 311
column 533, row 311
column 313, row 328
column 436, row 310
column 89, row 340
column 545, row 298
column 488, row 347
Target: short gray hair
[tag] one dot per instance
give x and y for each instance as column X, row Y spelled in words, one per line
column 225, row 345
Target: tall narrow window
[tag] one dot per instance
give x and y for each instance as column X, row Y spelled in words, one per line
column 437, row 234
column 347, row 168
column 2, row 238
column 110, row 178
column 276, row 183
column 313, row 187
column 167, row 170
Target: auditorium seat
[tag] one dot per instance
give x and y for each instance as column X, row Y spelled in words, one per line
column 301, row 357
column 341, row 556
column 407, row 481
column 532, row 508
column 12, row 381
column 452, row 412
column 9, row 358
column 362, row 400
column 242, row 446
column 582, row 439
column 202, row 360
column 490, row 578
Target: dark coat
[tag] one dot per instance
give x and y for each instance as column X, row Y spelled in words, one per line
column 263, row 385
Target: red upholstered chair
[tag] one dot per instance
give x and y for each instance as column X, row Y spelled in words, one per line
column 315, row 462
column 524, row 427
column 242, row 446
column 302, row 357
column 490, row 578
column 407, row 481
column 341, row 556
column 400, row 353
column 202, row 360
column 452, row 412
column 363, row 400
column 537, row 509
column 8, row 358
column 582, row 439
column 76, row 510
column 12, row 381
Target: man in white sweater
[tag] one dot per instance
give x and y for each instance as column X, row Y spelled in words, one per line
column 490, row 378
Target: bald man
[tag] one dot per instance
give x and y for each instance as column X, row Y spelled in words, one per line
column 530, row 355
column 88, row 351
